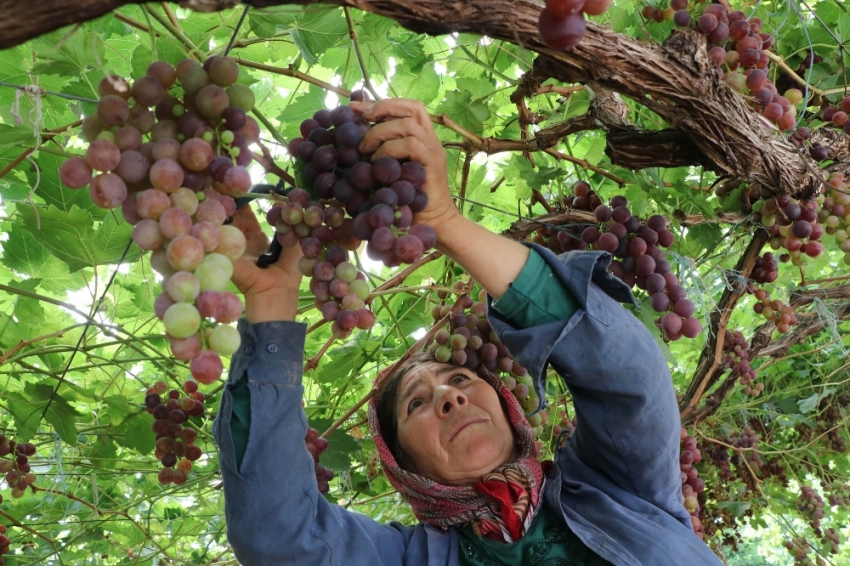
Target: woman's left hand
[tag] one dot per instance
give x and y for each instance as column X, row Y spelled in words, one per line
column 271, row 293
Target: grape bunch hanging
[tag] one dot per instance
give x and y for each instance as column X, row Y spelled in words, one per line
column 561, row 24
column 346, row 199
column 174, row 171
column 736, row 356
column 326, row 238
column 637, row 246
column 5, row 543
column 315, row 446
column 692, row 485
column 175, row 443
column 16, row 468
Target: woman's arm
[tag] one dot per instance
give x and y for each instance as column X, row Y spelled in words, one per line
column 405, row 132
column 623, row 393
column 274, row 511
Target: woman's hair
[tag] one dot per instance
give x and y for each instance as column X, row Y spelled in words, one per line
column 385, row 406
column 385, row 403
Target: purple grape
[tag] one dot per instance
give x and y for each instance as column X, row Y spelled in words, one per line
column 408, row 248
column 420, row 202
column 425, row 234
column 320, row 136
column 383, row 239
column 404, row 217
column 324, row 185
column 348, row 135
column 234, row 118
column 324, row 158
column 360, row 176
column 361, row 227
column 336, row 255
column 311, row 247
column 381, row 215
column 308, row 126
column 405, row 192
column 323, row 117
column 413, row 173
column 343, row 191
column 387, row 170
column 385, row 196
column 348, row 156
column 306, row 150
column 342, row 115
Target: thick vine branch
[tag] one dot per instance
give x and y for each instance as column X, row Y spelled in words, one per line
column 709, row 367
column 520, row 229
column 676, row 80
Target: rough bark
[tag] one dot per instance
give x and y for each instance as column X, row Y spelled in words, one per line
column 676, row 80
column 709, row 367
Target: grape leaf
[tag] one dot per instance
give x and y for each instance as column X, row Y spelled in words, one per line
column 72, row 238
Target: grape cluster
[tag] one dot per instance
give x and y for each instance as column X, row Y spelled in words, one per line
column 316, row 445
column 838, row 115
column 692, row 485
column 380, row 197
column 793, row 225
column 831, row 538
column 799, row 549
column 736, row 357
column 765, row 270
column 5, row 543
column 738, row 51
column 564, row 424
column 16, row 468
column 637, row 245
column 561, row 24
column 835, row 212
column 175, row 444
column 749, row 442
column 173, row 171
column 471, row 342
column 775, row 311
column 326, row 237
column 811, row 506
column 838, row 493
column 720, row 457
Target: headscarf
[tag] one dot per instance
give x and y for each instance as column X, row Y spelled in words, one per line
column 500, row 506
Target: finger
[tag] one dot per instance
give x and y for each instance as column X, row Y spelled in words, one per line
column 405, row 148
column 398, row 108
column 256, row 241
column 245, row 219
column 360, row 107
column 390, row 130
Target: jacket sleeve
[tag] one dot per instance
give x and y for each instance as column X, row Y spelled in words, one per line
column 625, row 403
column 274, row 511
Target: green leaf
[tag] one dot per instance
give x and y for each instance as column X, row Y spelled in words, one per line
column 27, row 411
column 318, row 31
column 15, row 135
column 464, row 111
column 24, row 254
column 135, row 433
column 72, row 238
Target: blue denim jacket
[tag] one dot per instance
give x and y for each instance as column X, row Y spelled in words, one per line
column 616, row 481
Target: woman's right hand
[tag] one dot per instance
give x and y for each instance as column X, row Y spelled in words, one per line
column 271, row 293
column 403, row 130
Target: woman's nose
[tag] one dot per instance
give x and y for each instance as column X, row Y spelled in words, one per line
column 450, row 399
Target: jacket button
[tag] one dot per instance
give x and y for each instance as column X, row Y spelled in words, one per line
column 272, row 348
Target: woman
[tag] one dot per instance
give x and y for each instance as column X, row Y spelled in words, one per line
column 453, row 442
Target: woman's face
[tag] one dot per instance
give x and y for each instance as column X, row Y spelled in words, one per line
column 451, row 424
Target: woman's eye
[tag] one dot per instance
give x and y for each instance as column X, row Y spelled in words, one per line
column 459, row 377
column 413, row 405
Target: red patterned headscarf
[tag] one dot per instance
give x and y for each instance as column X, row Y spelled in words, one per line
column 500, row 506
